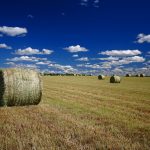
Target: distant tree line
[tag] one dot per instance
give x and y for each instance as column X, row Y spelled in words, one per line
column 66, row 74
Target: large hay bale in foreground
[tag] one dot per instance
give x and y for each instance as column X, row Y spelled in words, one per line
column 115, row 79
column 20, row 87
column 101, row 77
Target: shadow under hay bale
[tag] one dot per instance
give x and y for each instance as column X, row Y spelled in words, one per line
column 115, row 79
column 19, row 87
column 101, row 77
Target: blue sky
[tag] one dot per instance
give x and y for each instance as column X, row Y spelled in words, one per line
column 76, row 36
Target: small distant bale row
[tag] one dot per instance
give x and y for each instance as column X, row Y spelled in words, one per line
column 19, row 87
column 140, row 75
column 137, row 75
column 113, row 79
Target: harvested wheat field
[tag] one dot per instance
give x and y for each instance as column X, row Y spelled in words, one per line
column 81, row 113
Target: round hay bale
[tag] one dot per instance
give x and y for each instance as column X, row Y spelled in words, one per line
column 101, row 77
column 128, row 75
column 137, row 75
column 142, row 75
column 20, row 87
column 115, row 79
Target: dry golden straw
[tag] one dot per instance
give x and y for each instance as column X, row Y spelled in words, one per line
column 20, row 87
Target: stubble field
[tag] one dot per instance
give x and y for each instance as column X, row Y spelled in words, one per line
column 81, row 113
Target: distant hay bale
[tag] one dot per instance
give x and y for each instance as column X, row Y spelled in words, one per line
column 115, row 79
column 42, row 74
column 20, row 87
column 137, row 75
column 142, row 75
column 101, row 77
column 128, row 75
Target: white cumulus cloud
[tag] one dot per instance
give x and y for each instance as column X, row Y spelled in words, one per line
column 75, row 55
column 30, row 16
column 4, row 46
column 64, row 68
column 107, row 58
column 141, row 38
column 75, row 49
column 26, row 58
column 93, row 66
column 43, row 63
column 125, row 61
column 84, row 2
column 31, row 51
column 83, row 59
column 30, row 66
column 12, row 31
column 135, row 59
column 94, row 3
column 47, row 51
column 10, row 63
column 121, row 52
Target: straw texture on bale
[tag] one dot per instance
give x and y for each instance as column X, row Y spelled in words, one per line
column 101, row 77
column 128, row 75
column 115, row 79
column 20, row 87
